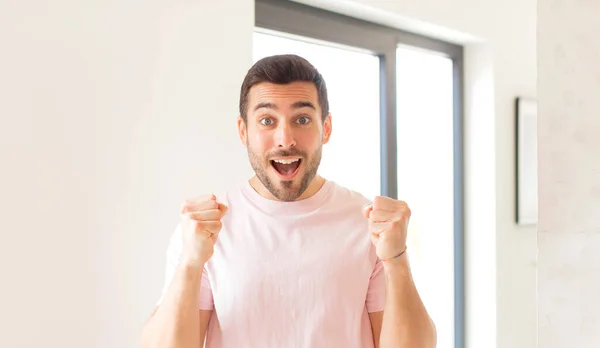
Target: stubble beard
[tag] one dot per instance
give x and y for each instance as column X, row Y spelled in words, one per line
column 288, row 190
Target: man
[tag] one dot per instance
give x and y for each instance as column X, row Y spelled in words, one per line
column 288, row 258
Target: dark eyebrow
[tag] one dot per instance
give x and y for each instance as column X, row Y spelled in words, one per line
column 266, row 106
column 303, row 104
column 296, row 105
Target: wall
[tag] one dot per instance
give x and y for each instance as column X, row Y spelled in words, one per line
column 500, row 58
column 569, row 168
column 112, row 112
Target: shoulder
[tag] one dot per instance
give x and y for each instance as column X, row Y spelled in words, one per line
column 347, row 202
column 231, row 194
column 348, row 197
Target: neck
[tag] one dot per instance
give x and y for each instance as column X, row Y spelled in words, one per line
column 314, row 187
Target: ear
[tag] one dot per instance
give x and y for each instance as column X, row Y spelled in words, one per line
column 242, row 130
column 327, row 129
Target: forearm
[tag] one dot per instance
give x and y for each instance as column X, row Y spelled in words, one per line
column 406, row 323
column 176, row 324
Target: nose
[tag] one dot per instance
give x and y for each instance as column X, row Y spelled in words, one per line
column 285, row 137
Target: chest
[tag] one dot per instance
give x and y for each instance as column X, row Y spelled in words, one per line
column 315, row 260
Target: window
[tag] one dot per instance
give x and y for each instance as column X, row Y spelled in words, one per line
column 426, row 177
column 402, row 93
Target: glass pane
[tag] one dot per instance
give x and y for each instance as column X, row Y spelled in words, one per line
column 425, row 178
column 352, row 156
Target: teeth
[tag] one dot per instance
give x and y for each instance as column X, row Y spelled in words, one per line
column 286, row 161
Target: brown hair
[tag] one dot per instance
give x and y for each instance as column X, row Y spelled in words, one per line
column 283, row 69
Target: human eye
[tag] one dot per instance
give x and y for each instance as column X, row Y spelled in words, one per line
column 267, row 121
column 303, row 120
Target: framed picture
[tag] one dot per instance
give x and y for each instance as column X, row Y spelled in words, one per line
column 526, row 161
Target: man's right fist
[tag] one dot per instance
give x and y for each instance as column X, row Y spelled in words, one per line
column 200, row 226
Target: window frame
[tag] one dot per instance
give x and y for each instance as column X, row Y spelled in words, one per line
column 306, row 21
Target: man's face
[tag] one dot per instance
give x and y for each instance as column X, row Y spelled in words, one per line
column 284, row 136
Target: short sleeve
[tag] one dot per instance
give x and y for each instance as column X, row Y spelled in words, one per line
column 376, row 291
column 173, row 255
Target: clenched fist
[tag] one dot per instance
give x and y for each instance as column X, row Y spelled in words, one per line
column 388, row 223
column 200, row 226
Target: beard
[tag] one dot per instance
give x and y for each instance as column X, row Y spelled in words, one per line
column 285, row 190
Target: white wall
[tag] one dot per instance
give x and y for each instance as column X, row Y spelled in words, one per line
column 111, row 112
column 500, row 39
column 569, row 168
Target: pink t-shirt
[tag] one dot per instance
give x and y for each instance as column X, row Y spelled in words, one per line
column 290, row 274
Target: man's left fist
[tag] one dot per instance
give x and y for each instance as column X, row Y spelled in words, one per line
column 388, row 223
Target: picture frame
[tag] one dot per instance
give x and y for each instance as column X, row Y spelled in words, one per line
column 526, row 161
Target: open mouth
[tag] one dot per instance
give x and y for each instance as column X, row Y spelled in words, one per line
column 286, row 168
